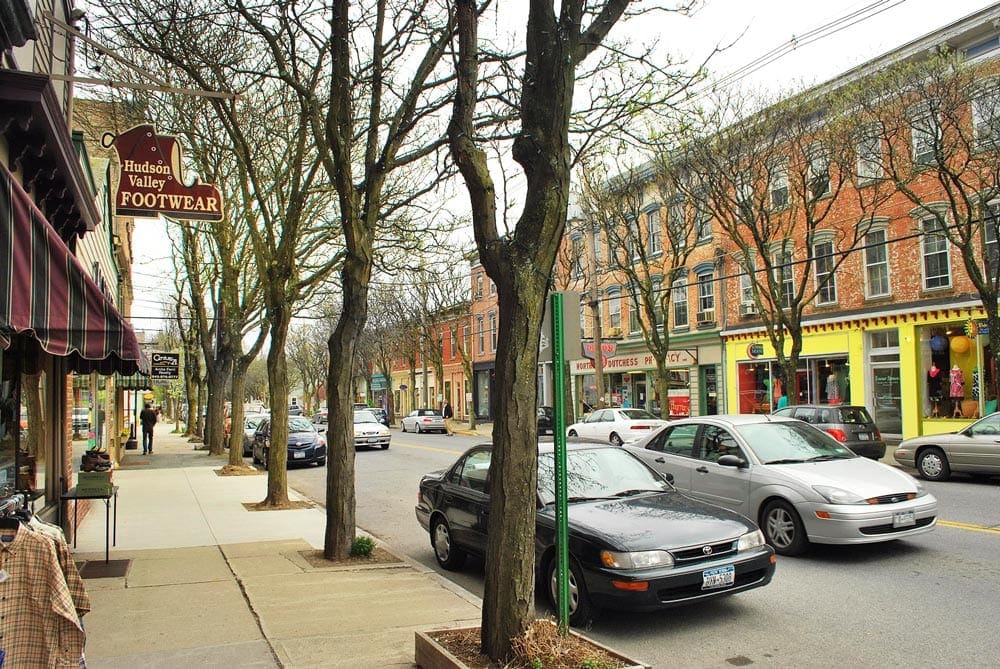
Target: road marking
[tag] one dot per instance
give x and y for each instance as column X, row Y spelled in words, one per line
column 450, row 451
column 969, row 526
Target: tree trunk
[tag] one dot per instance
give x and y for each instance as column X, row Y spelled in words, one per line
column 236, row 414
column 510, row 555
column 340, row 494
column 219, row 373
column 277, row 376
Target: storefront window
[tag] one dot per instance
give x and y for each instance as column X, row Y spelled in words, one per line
column 823, row 380
column 954, row 384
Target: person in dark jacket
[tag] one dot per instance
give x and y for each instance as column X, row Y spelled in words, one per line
column 148, row 419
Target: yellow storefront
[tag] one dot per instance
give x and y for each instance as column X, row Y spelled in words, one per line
column 918, row 373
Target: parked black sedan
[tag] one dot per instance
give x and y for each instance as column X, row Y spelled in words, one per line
column 635, row 542
column 305, row 445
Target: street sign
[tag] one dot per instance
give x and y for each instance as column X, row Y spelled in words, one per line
column 165, row 366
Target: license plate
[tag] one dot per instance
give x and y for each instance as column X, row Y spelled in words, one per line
column 903, row 519
column 864, row 436
column 298, row 455
column 373, row 440
column 719, row 577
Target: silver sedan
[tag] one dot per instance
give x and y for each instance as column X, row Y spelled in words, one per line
column 423, row 420
column 798, row 483
column 974, row 449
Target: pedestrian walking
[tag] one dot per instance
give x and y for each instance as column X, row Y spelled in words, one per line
column 148, row 419
column 448, row 415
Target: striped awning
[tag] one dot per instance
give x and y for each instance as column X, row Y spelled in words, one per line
column 45, row 293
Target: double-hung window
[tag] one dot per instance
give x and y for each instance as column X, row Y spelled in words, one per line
column 703, row 218
column 937, row 262
column 819, row 171
column 784, row 277
column 924, row 132
column 868, row 151
column 655, row 236
column 706, row 296
column 991, row 238
column 615, row 309
column 986, row 115
column 577, row 257
column 826, row 280
column 493, row 331
column 876, row 264
column 677, row 231
column 778, row 186
column 680, row 299
column 480, row 335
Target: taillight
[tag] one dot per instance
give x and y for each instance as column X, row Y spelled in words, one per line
column 839, row 435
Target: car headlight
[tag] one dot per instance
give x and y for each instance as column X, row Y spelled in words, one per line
column 636, row 560
column 750, row 540
column 838, row 495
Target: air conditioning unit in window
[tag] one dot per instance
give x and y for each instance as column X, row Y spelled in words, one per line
column 613, row 332
column 706, row 317
column 748, row 310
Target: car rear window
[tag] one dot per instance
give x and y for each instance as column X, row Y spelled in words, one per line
column 855, row 415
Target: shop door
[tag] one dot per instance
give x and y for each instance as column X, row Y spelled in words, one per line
column 886, row 403
column 640, row 400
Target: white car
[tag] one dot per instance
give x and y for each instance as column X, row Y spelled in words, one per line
column 250, row 424
column 616, row 426
column 369, row 432
column 797, row 482
column 423, row 420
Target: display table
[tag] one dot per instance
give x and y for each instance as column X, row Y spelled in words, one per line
column 110, row 530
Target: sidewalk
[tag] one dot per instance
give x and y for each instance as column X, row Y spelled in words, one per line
column 208, row 583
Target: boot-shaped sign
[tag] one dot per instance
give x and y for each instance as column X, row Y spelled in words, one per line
column 152, row 179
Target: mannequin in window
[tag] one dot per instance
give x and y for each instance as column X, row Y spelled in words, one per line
column 956, row 384
column 832, row 388
column 934, row 389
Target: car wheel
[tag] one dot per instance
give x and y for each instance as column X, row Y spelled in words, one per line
column 402, row 426
column 581, row 611
column 933, row 465
column 448, row 556
column 572, row 433
column 783, row 528
column 419, row 429
column 615, row 439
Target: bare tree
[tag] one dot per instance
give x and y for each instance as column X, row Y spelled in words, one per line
column 649, row 246
column 778, row 179
column 307, row 356
column 520, row 262
column 933, row 132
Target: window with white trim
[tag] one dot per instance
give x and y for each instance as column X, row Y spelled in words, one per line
column 480, row 335
column 986, row 115
column 924, row 132
column 577, row 257
column 937, row 258
column 706, row 295
column 876, row 264
column 826, row 280
column 493, row 331
column 479, row 287
column 746, row 284
column 868, row 151
column 819, row 171
column 680, row 299
column 633, row 316
column 784, row 276
column 654, row 242
column 658, row 301
column 675, row 222
column 778, row 186
column 615, row 310
column 991, row 237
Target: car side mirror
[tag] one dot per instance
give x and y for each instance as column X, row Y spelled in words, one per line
column 729, row 460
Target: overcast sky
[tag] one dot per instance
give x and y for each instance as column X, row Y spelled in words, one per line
column 827, row 43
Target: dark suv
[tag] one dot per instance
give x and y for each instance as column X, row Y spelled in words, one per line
column 849, row 424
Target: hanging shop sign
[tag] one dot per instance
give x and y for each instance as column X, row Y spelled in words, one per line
column 152, row 178
column 165, row 366
column 755, row 350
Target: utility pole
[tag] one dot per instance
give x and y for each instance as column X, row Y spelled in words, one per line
column 595, row 306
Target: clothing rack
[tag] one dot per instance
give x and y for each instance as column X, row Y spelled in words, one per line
column 12, row 503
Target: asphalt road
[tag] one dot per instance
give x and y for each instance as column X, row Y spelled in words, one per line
column 931, row 601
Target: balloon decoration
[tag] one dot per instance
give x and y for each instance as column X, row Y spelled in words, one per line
column 939, row 343
column 960, row 345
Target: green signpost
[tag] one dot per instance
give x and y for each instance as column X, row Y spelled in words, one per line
column 559, row 437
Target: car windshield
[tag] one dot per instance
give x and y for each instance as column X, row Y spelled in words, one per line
column 638, row 414
column 299, row 424
column 597, row 472
column 364, row 417
column 791, row 441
